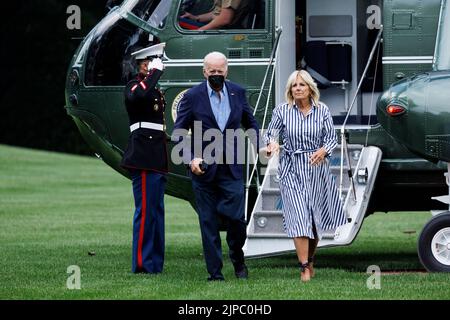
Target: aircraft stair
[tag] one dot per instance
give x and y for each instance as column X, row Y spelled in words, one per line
column 265, row 233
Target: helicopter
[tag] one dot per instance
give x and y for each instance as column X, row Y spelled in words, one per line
column 381, row 65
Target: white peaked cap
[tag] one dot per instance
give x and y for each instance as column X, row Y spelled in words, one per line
column 156, row 50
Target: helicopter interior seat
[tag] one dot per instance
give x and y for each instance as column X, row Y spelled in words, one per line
column 316, row 63
column 328, row 62
column 339, row 56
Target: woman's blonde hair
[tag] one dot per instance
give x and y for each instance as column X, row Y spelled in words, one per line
column 314, row 91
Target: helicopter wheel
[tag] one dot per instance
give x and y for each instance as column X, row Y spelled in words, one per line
column 434, row 244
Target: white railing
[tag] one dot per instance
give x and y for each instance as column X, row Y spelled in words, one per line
column 273, row 54
column 344, row 149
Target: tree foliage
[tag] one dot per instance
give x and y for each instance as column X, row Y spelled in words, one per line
column 36, row 49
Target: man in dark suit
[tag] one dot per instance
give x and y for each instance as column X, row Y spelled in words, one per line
column 146, row 159
column 218, row 106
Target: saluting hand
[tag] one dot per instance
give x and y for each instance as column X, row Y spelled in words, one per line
column 318, row 156
column 156, row 63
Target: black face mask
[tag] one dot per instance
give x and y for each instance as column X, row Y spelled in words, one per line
column 216, row 82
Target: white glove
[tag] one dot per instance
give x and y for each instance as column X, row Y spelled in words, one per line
column 156, row 64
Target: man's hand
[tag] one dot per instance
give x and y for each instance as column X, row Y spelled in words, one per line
column 195, row 166
column 156, row 64
column 318, row 156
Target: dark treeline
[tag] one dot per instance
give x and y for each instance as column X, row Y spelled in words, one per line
column 35, row 53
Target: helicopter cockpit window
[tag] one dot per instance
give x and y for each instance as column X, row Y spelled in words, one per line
column 154, row 12
column 210, row 15
column 109, row 61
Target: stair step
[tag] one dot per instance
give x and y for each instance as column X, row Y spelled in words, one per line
column 271, row 200
column 268, row 213
column 268, row 235
column 268, row 222
column 329, row 234
column 274, row 181
column 271, row 191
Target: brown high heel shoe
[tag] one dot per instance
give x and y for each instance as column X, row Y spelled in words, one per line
column 305, row 271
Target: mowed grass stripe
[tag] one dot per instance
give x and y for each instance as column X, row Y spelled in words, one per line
column 57, row 208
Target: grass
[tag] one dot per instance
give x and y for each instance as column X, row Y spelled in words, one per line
column 56, row 208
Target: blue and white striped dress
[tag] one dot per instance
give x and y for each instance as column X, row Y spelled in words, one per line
column 309, row 193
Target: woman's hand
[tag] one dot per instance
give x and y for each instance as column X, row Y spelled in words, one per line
column 272, row 148
column 318, row 157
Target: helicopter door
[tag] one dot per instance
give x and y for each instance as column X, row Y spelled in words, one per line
column 331, row 29
column 332, row 44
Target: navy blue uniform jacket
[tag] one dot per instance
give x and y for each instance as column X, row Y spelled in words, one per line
column 195, row 106
column 146, row 149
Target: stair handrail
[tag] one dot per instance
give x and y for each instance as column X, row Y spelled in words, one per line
column 342, row 134
column 278, row 32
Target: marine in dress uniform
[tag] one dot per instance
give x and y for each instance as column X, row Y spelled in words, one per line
column 146, row 160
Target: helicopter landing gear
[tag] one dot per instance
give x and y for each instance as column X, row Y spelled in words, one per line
column 434, row 244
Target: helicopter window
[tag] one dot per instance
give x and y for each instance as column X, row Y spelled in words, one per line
column 402, row 20
column 109, row 61
column 154, row 12
column 158, row 17
column 205, row 15
column 330, row 26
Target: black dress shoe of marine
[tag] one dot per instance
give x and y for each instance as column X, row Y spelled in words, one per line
column 241, row 272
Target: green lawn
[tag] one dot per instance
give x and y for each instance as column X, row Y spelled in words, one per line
column 56, row 208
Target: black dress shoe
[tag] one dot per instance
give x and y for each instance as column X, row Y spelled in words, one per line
column 241, row 272
column 216, row 278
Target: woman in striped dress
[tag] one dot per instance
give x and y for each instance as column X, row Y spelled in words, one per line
column 311, row 203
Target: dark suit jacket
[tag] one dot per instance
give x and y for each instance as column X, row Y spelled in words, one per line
column 195, row 106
